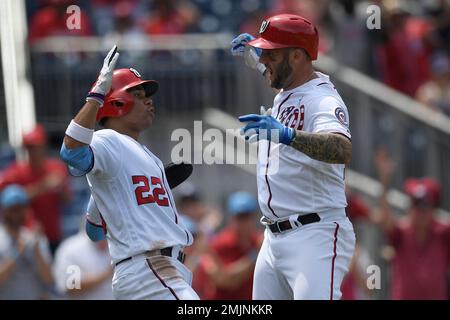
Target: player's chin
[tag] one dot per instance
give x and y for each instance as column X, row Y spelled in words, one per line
column 147, row 121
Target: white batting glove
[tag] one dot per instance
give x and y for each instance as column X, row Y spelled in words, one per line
column 103, row 84
column 240, row 47
column 252, row 132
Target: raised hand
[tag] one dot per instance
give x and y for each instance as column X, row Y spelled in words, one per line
column 103, row 84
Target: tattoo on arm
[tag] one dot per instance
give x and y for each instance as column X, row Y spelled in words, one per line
column 326, row 147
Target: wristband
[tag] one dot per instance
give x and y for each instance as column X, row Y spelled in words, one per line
column 100, row 98
column 79, row 133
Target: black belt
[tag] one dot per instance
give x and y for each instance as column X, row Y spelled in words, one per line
column 285, row 225
column 159, row 252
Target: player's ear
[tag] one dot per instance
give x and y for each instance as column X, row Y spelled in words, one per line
column 294, row 55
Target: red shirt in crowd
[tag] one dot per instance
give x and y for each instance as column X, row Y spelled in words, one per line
column 403, row 60
column 349, row 287
column 357, row 210
column 226, row 246
column 46, row 206
column 420, row 270
column 173, row 24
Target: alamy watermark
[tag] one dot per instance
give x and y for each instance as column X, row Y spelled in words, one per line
column 374, row 279
column 214, row 147
column 73, row 21
column 73, row 280
column 374, row 19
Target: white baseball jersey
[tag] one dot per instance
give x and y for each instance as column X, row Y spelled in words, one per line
column 290, row 182
column 135, row 203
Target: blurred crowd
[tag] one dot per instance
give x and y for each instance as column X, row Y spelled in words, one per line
column 39, row 260
column 409, row 52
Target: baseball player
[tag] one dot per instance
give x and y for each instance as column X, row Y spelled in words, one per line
column 134, row 203
column 304, row 145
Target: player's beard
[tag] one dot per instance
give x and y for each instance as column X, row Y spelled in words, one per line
column 283, row 73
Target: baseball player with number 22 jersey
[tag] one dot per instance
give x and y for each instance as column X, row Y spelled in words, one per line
column 131, row 198
column 304, row 145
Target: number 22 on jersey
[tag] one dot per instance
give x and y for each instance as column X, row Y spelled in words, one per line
column 150, row 191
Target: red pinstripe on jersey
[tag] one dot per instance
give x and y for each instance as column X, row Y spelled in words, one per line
column 267, row 165
column 332, row 260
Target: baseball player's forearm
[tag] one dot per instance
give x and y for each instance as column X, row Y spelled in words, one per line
column 384, row 217
column 234, row 274
column 326, row 147
column 85, row 118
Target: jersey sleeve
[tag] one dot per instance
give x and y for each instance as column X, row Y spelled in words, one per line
column 331, row 116
column 107, row 154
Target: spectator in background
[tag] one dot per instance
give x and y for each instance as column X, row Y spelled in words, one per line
column 127, row 33
column 7, row 155
column 354, row 285
column 46, row 182
column 25, row 271
column 51, row 20
column 403, row 32
column 439, row 13
column 194, row 255
column 421, row 243
column 189, row 203
column 103, row 15
column 350, row 35
column 253, row 22
column 94, row 263
column 230, row 266
column 357, row 209
column 435, row 93
column 171, row 17
column 314, row 10
column 199, row 245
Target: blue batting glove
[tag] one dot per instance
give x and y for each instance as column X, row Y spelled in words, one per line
column 238, row 44
column 266, row 127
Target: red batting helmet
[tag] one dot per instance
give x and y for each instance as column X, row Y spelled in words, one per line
column 119, row 101
column 288, row 31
